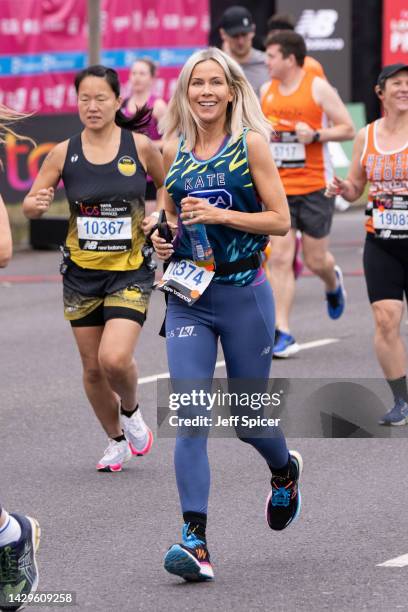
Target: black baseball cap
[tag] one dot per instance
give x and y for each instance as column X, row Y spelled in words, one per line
column 389, row 71
column 237, row 20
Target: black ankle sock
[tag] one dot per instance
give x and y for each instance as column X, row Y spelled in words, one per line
column 283, row 471
column 197, row 523
column 128, row 413
column 119, row 438
column 399, row 388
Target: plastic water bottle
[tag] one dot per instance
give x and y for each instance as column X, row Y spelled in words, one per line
column 202, row 251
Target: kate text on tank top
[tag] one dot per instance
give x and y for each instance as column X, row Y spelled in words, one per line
column 225, row 181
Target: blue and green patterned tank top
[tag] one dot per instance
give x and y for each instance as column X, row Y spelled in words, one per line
column 225, row 181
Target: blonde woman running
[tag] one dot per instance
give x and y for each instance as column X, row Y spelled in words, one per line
column 221, row 175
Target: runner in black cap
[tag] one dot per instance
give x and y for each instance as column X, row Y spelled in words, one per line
column 237, row 31
column 380, row 158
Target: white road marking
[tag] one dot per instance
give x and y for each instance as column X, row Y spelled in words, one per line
column 317, row 343
column 220, row 364
column 149, row 379
column 401, row 561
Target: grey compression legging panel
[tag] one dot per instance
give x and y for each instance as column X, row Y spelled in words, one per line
column 243, row 319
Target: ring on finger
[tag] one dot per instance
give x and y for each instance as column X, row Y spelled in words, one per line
column 192, row 215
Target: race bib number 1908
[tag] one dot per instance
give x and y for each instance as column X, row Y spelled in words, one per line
column 390, row 216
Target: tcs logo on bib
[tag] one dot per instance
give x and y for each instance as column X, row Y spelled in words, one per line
column 217, row 197
column 127, row 166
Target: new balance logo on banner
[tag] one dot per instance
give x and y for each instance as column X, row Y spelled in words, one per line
column 317, row 27
column 317, row 24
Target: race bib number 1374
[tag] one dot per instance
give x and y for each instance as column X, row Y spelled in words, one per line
column 185, row 280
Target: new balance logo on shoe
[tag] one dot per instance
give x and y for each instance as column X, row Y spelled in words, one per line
column 201, row 553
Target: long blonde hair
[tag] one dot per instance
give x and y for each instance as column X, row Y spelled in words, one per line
column 7, row 117
column 243, row 112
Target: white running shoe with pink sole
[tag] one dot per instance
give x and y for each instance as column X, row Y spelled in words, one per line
column 116, row 454
column 137, row 433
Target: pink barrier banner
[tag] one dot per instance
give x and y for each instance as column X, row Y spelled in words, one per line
column 395, row 32
column 43, row 43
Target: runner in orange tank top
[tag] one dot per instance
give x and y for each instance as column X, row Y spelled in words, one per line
column 285, row 22
column 277, row 23
column 300, row 106
column 301, row 168
column 380, row 158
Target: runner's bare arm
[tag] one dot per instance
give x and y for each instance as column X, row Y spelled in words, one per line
column 41, row 194
column 353, row 186
column 263, row 89
column 328, row 99
column 169, row 154
column 6, row 246
column 152, row 161
column 276, row 218
column 164, row 249
column 151, row 158
column 159, row 108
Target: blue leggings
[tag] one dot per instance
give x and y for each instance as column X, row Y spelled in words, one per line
column 243, row 318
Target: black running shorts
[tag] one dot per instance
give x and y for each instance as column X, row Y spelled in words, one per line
column 86, row 311
column 92, row 297
column 386, row 268
column 311, row 213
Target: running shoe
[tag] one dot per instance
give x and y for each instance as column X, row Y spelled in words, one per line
column 284, row 501
column 116, row 453
column 190, row 559
column 285, row 345
column 137, row 433
column 336, row 300
column 398, row 415
column 297, row 260
column 18, row 566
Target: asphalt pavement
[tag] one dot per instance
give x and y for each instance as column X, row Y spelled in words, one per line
column 104, row 535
